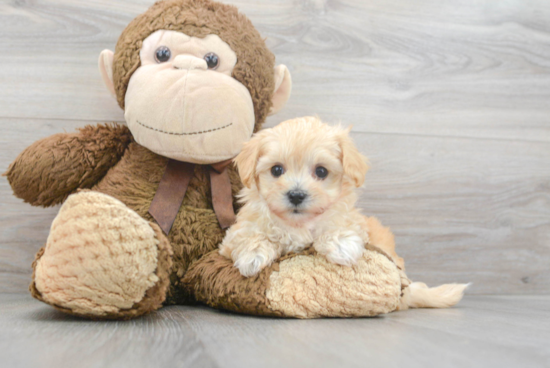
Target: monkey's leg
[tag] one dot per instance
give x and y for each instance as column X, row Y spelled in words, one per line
column 303, row 285
column 102, row 260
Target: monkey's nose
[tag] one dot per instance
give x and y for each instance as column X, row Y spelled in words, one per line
column 296, row 196
column 189, row 62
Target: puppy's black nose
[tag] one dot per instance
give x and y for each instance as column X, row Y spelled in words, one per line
column 296, row 196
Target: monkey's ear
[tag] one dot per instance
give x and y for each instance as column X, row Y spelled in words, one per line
column 283, row 86
column 106, row 70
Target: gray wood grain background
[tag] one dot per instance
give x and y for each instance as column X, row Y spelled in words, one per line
column 483, row 332
column 449, row 99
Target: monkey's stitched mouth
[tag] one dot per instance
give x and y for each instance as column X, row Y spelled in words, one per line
column 189, row 133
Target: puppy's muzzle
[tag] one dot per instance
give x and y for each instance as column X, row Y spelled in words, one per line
column 296, row 197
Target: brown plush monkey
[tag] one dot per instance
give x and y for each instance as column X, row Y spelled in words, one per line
column 195, row 80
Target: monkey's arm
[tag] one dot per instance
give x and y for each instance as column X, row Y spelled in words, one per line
column 50, row 169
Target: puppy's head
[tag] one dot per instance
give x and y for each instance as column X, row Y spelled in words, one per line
column 301, row 168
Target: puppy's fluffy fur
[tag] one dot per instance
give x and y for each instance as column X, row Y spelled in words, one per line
column 272, row 223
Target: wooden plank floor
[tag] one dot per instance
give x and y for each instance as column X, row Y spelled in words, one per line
column 483, row 331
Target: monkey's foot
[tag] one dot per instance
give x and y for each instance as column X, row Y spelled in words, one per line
column 303, row 285
column 102, row 260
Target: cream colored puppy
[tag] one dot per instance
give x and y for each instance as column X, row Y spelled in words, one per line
column 300, row 179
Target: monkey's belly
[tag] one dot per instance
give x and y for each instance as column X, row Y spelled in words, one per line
column 134, row 181
column 195, row 233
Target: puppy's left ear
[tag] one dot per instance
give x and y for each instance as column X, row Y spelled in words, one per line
column 248, row 159
column 354, row 163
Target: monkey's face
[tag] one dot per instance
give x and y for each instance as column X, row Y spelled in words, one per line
column 195, row 79
column 183, row 103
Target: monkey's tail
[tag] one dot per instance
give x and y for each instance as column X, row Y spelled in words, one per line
column 419, row 295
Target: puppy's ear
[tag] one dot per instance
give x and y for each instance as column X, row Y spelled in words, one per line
column 247, row 160
column 354, row 163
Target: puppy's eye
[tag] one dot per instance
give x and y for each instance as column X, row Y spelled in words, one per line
column 277, row 171
column 162, row 54
column 321, row 172
column 212, row 60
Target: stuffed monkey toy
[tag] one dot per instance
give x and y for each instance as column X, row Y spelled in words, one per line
column 145, row 205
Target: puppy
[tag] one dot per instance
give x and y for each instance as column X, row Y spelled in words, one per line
column 300, row 179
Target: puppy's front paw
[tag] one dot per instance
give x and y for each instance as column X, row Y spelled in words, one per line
column 344, row 248
column 252, row 263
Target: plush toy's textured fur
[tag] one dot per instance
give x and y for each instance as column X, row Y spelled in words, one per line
column 302, row 285
column 371, row 289
column 134, row 181
column 54, row 167
column 92, row 240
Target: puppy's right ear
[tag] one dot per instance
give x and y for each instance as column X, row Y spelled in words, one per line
column 355, row 164
column 247, row 160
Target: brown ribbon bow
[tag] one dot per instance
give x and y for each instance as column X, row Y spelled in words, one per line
column 172, row 188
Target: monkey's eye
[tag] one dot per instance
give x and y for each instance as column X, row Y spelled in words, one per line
column 212, row 60
column 277, row 171
column 162, row 54
column 321, row 172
